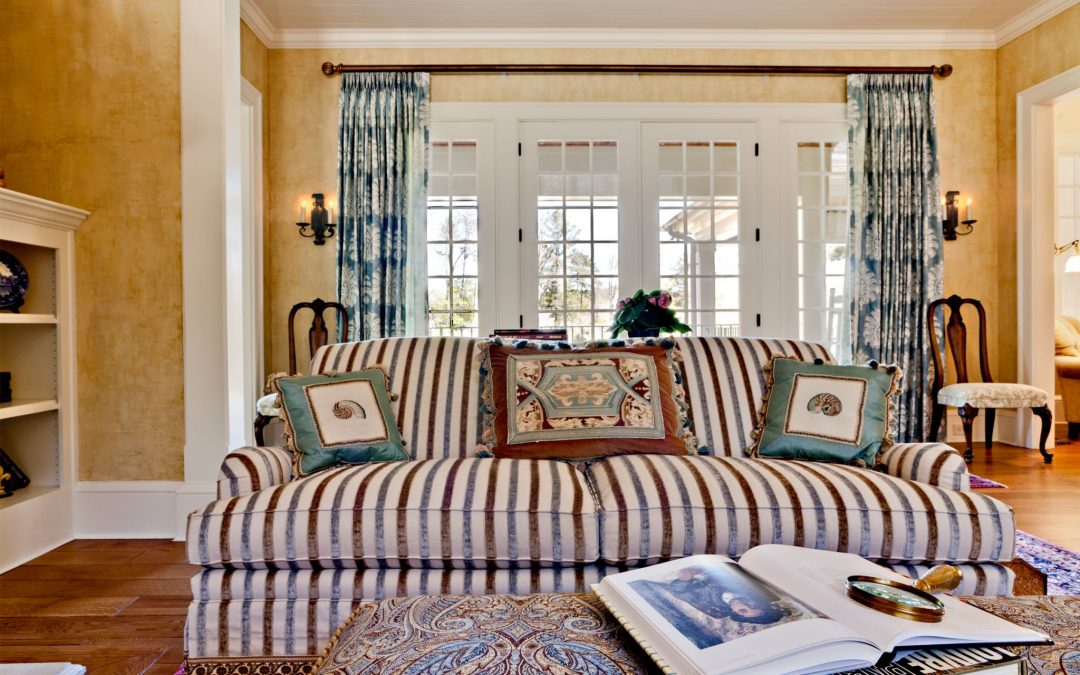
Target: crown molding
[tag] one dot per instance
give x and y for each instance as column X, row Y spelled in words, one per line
column 258, row 23
column 614, row 38
column 25, row 208
column 1025, row 21
column 631, row 38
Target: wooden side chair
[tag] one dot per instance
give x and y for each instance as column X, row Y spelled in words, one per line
column 318, row 336
column 971, row 397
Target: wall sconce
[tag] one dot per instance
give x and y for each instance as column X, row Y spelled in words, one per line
column 1072, row 263
column 322, row 225
column 951, row 222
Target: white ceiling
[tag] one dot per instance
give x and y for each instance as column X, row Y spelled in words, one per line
column 791, row 24
column 647, row 14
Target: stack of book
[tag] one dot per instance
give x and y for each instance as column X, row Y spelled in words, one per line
column 531, row 333
column 784, row 609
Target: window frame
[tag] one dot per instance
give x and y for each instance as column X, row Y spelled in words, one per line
column 502, row 297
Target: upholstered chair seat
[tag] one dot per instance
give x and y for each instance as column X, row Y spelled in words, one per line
column 992, row 395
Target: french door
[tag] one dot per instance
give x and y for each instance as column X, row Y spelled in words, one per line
column 580, row 229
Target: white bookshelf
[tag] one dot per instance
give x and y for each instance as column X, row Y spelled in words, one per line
column 37, row 345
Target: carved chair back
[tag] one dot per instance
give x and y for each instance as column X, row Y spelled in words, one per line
column 956, row 337
column 318, row 334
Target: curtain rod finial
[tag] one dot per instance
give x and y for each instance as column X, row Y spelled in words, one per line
column 330, row 69
column 940, row 71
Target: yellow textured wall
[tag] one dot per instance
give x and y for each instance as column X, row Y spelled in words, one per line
column 91, row 118
column 1043, row 52
column 303, row 123
column 255, row 68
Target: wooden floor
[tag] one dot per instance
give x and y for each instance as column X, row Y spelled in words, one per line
column 118, row 606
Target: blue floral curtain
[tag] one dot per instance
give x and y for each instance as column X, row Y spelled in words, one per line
column 894, row 262
column 382, row 187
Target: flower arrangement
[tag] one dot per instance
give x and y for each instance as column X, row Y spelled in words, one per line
column 646, row 315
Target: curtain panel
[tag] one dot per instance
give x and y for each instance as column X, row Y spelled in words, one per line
column 382, row 188
column 895, row 240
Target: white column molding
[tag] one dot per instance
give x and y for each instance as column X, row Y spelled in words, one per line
column 211, row 205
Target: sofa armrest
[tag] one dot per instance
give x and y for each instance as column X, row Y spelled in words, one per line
column 931, row 463
column 250, row 469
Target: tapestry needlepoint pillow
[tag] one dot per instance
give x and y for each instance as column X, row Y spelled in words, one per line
column 826, row 412
column 553, row 401
column 341, row 418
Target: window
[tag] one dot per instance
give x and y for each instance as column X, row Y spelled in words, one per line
column 572, row 176
column 695, row 183
column 460, row 187
column 544, row 215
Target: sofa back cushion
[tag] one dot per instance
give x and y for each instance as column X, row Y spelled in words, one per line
column 725, row 384
column 437, row 393
column 435, row 388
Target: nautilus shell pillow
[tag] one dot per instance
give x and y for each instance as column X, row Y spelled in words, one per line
column 342, row 418
column 826, row 412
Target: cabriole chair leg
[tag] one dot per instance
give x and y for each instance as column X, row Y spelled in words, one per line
column 1044, row 414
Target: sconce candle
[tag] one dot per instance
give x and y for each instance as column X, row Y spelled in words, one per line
column 332, row 211
column 970, row 210
column 322, row 228
column 951, row 225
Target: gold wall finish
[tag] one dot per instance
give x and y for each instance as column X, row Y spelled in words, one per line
column 91, row 118
column 1047, row 50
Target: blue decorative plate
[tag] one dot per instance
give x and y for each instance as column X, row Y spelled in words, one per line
column 14, row 282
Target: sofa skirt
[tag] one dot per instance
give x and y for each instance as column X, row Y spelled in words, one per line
column 295, row 612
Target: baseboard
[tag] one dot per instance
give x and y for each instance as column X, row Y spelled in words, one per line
column 1006, row 429
column 136, row 509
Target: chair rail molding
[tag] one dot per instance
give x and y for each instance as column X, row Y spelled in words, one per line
column 1035, row 235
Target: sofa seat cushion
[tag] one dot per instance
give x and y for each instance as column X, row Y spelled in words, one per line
column 470, row 512
column 655, row 508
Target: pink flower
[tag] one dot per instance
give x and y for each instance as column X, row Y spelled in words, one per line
column 664, row 300
column 621, row 304
column 652, row 301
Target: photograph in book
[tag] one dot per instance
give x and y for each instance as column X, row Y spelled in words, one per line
column 710, row 605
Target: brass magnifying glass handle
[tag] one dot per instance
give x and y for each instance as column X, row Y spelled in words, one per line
column 940, row 579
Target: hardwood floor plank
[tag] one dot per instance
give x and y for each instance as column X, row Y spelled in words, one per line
column 160, row 606
column 51, row 588
column 95, row 606
column 72, row 630
column 160, row 571
column 120, row 660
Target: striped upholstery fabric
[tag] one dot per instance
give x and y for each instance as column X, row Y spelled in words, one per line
column 250, row 469
column 931, row 463
column 267, row 612
column 658, row 507
column 725, row 383
column 436, row 382
column 469, row 512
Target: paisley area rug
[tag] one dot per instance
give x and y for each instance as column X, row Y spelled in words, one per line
column 980, row 483
column 1061, row 566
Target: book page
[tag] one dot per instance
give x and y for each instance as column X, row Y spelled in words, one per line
column 708, row 610
column 818, row 578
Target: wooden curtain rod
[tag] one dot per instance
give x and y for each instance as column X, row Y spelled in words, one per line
column 651, row 69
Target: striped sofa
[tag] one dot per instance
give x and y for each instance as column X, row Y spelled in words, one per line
column 283, row 560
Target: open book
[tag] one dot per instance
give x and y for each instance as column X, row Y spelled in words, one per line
column 780, row 609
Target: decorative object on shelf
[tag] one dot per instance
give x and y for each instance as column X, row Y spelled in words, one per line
column 951, row 222
column 531, row 333
column 322, row 223
column 12, row 477
column 646, row 315
column 14, row 282
column 5, row 387
column 1072, row 263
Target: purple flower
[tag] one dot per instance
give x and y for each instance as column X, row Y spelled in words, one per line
column 621, row 304
column 664, row 300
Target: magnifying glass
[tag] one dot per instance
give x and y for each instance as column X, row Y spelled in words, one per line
column 907, row 601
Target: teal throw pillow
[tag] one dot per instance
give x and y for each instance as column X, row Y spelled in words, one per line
column 342, row 418
column 825, row 412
